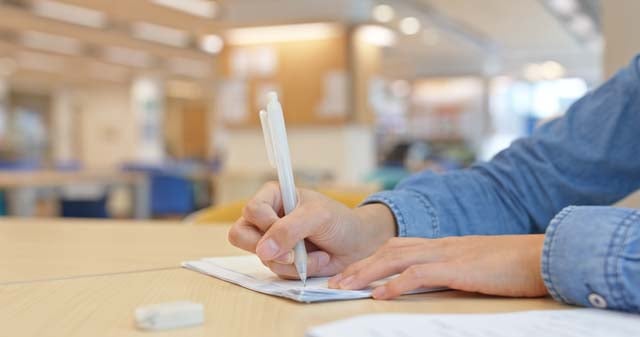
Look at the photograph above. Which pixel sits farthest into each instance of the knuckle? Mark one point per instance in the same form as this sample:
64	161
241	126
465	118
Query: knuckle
250	209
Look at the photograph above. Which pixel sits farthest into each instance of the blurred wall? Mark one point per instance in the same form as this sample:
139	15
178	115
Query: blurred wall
109	134
347	152
620	26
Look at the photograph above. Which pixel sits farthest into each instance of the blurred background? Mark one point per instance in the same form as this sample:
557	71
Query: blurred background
149	109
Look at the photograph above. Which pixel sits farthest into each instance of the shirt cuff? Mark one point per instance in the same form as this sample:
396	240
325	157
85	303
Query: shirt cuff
414	213
584	256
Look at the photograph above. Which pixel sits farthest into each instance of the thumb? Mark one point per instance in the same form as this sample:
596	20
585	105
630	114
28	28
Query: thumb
282	236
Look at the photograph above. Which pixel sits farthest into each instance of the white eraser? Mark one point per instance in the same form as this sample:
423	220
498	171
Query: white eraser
170	315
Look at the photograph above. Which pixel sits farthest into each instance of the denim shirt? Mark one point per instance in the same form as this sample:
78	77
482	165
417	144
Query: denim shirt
589	157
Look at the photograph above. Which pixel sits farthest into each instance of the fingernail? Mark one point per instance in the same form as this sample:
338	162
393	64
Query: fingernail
286	258
322	260
268	249
344	284
379	292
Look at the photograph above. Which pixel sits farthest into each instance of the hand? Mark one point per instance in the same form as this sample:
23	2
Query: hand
336	236
495	265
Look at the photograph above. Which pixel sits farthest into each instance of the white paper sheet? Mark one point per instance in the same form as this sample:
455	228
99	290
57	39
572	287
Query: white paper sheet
554	323
249	272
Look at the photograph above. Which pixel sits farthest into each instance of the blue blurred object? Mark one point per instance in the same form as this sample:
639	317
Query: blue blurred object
3	207
84	208
19	165
172	193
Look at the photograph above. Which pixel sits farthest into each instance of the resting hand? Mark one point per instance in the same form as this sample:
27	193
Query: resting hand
336	235
496	265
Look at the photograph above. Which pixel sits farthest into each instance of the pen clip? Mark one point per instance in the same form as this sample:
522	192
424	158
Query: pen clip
268	140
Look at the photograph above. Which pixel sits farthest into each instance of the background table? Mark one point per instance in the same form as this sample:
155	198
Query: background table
85	305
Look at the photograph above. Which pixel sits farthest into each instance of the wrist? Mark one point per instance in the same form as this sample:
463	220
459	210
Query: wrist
378	224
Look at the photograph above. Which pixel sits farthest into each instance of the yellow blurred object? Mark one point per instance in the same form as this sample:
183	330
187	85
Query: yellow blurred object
230	212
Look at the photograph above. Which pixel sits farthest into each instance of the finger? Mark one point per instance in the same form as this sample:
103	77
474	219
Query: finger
369	270
318	264
431	275
389	260
244	235
283	235
262	210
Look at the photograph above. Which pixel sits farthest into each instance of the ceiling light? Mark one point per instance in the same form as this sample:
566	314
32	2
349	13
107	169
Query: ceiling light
203	8
160	34
127	56
272	34
532	72
70	13
582	25
50	42
383	13
376	35
409	25
552	70
564	7
211	43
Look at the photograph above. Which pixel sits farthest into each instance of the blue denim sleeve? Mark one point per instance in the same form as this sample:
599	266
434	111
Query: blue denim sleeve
591	257
588	157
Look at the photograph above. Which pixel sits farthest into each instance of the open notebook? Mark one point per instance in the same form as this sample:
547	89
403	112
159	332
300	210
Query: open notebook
249	272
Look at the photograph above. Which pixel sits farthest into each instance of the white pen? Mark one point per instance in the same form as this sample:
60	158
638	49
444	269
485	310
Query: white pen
275	138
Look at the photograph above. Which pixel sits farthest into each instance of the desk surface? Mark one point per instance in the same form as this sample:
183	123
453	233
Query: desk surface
103	305
50	249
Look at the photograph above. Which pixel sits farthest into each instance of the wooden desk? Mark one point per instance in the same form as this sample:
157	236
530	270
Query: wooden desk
104	305
50	249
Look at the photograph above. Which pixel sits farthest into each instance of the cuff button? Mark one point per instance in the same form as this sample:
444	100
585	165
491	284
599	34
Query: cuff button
597	301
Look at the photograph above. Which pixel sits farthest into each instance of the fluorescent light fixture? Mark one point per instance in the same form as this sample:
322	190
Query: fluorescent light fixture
70	13
189	67
40	62
552	70
160	34
564	7
383	13
410	25
211	43
203	8
284	33
376	35
582	25
50	42
127	56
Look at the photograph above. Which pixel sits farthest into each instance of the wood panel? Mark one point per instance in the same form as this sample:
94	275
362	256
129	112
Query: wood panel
302	67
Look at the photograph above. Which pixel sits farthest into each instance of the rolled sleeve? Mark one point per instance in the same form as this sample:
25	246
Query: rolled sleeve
413	212
591	257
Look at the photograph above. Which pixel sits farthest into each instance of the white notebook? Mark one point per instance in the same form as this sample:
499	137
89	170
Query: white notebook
249	272
553	323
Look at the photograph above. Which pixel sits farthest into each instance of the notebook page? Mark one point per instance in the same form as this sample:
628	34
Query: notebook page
249	272
552	323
